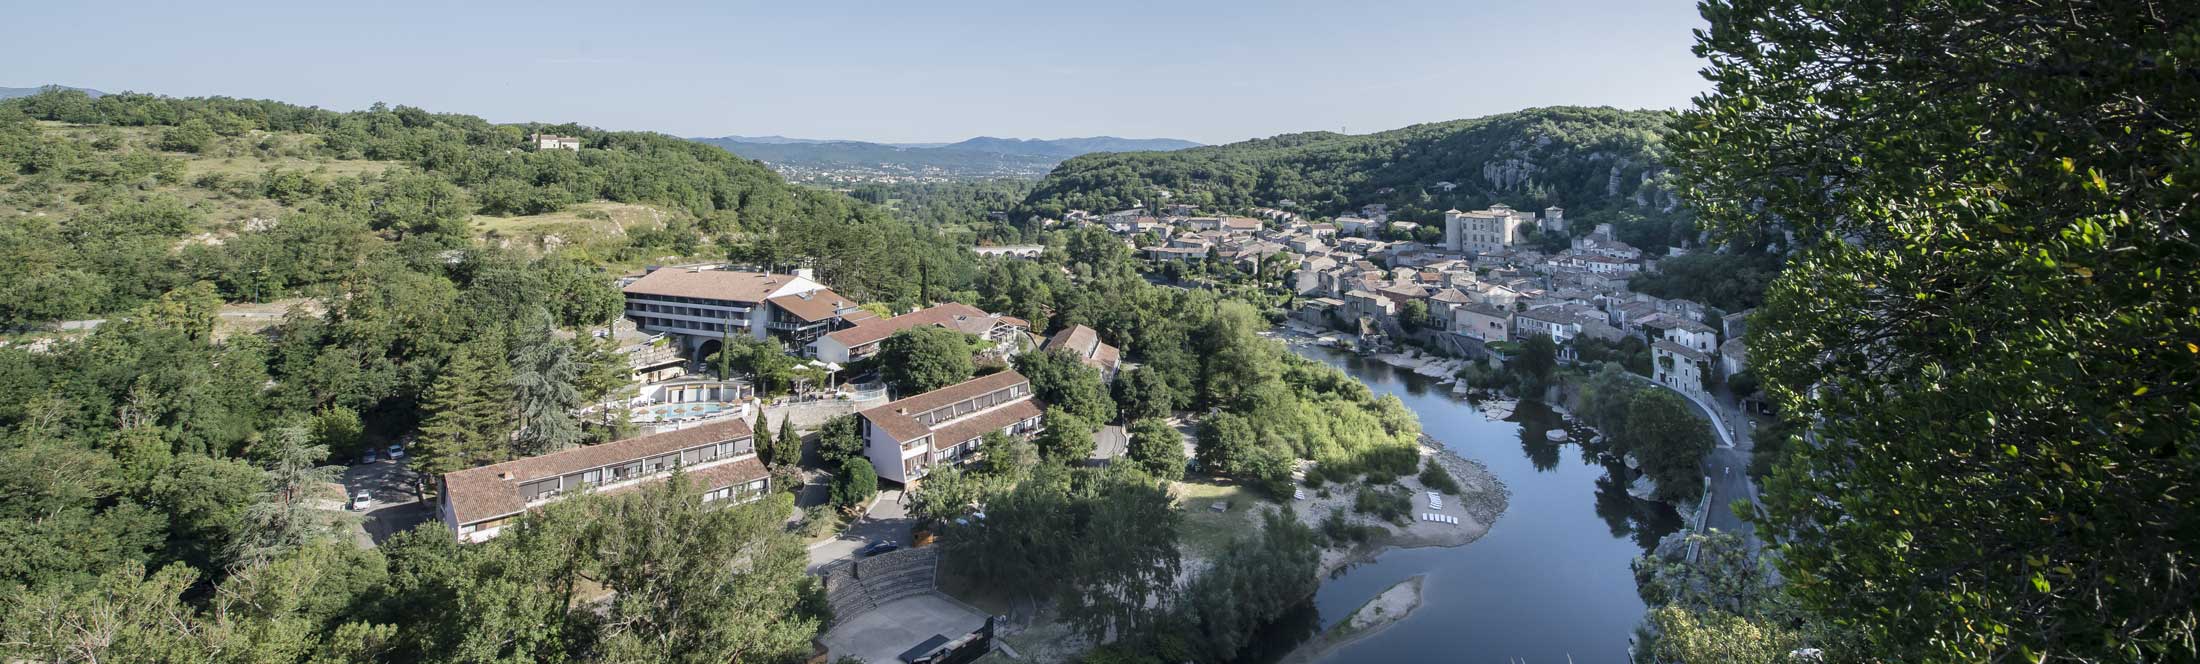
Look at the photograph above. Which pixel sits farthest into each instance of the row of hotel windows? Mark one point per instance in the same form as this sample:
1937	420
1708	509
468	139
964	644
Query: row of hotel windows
698	312
740	492
652	321
965	407
969	447
620	472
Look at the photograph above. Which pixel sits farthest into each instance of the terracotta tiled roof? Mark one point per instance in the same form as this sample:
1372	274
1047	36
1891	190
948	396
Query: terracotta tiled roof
814	306
710	284
493	490
897	417
952	315
1086	343
977	425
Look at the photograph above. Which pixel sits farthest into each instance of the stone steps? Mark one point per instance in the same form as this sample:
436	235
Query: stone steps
860	586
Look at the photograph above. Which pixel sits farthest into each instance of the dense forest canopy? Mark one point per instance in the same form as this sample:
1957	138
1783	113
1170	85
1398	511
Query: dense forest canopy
1588	160
1992	324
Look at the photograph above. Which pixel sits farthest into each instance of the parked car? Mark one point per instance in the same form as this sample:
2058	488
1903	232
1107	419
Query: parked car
361	500
397	451
370	457
876	548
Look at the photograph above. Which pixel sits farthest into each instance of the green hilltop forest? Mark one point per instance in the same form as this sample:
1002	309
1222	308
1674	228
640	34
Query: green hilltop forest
107	202
1592	161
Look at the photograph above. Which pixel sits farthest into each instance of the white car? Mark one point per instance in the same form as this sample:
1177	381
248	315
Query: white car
397	451
361	501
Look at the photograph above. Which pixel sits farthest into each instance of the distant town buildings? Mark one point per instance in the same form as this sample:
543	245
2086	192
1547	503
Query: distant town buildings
1011	251
554	142
1484	231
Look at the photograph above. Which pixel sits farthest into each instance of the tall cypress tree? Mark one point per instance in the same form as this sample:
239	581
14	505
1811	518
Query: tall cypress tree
787	451
763	436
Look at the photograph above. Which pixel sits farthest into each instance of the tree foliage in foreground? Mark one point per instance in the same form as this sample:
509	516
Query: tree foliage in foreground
1994	314
925	358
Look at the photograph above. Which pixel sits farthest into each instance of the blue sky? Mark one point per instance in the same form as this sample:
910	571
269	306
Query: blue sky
907	70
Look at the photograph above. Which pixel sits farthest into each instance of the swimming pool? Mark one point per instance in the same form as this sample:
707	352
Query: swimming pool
673	412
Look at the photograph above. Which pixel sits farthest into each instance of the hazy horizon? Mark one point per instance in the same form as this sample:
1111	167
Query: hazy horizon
1213	72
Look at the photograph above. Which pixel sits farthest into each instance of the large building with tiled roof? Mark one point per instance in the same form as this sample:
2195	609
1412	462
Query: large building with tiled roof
719	457
1086	343
906	438
1008	333
702	306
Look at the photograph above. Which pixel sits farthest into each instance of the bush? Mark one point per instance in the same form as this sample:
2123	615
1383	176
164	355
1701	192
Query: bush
1342	532
1436	478
1392	460
1391	504
857	482
818	521
1314	478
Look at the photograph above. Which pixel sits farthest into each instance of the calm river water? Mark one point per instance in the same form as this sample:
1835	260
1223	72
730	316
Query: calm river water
1549	583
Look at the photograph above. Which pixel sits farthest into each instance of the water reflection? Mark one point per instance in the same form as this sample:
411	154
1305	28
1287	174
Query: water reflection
1643	521
1551	581
1536	420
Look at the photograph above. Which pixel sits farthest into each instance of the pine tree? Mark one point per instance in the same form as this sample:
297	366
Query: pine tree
466	423
283	519
543	377
787	451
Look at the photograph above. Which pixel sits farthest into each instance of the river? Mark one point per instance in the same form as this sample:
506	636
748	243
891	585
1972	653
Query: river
1550	582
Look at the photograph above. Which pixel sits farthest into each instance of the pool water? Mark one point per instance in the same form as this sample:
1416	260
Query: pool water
666	412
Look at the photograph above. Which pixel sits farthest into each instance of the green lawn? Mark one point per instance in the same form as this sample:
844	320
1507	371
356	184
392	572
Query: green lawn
1204	531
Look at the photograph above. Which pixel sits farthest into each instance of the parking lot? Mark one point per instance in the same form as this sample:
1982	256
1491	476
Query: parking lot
396	505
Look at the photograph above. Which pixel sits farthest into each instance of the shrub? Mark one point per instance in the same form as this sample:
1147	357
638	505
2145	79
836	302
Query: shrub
857	482
1314	478
1436	478
1342	532
818	521
1391	504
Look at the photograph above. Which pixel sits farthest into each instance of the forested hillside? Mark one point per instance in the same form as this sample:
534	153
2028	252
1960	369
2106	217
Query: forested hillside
169	489
107	202
1588	160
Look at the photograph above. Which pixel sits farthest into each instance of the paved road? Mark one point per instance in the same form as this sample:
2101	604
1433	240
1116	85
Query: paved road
396	507
1729	471
1110	442
888	521
1727	465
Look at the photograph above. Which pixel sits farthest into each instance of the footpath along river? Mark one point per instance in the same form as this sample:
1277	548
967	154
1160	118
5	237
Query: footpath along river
1549	583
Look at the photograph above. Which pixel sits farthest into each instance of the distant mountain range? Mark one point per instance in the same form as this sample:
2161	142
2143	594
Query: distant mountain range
11	93
984	156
